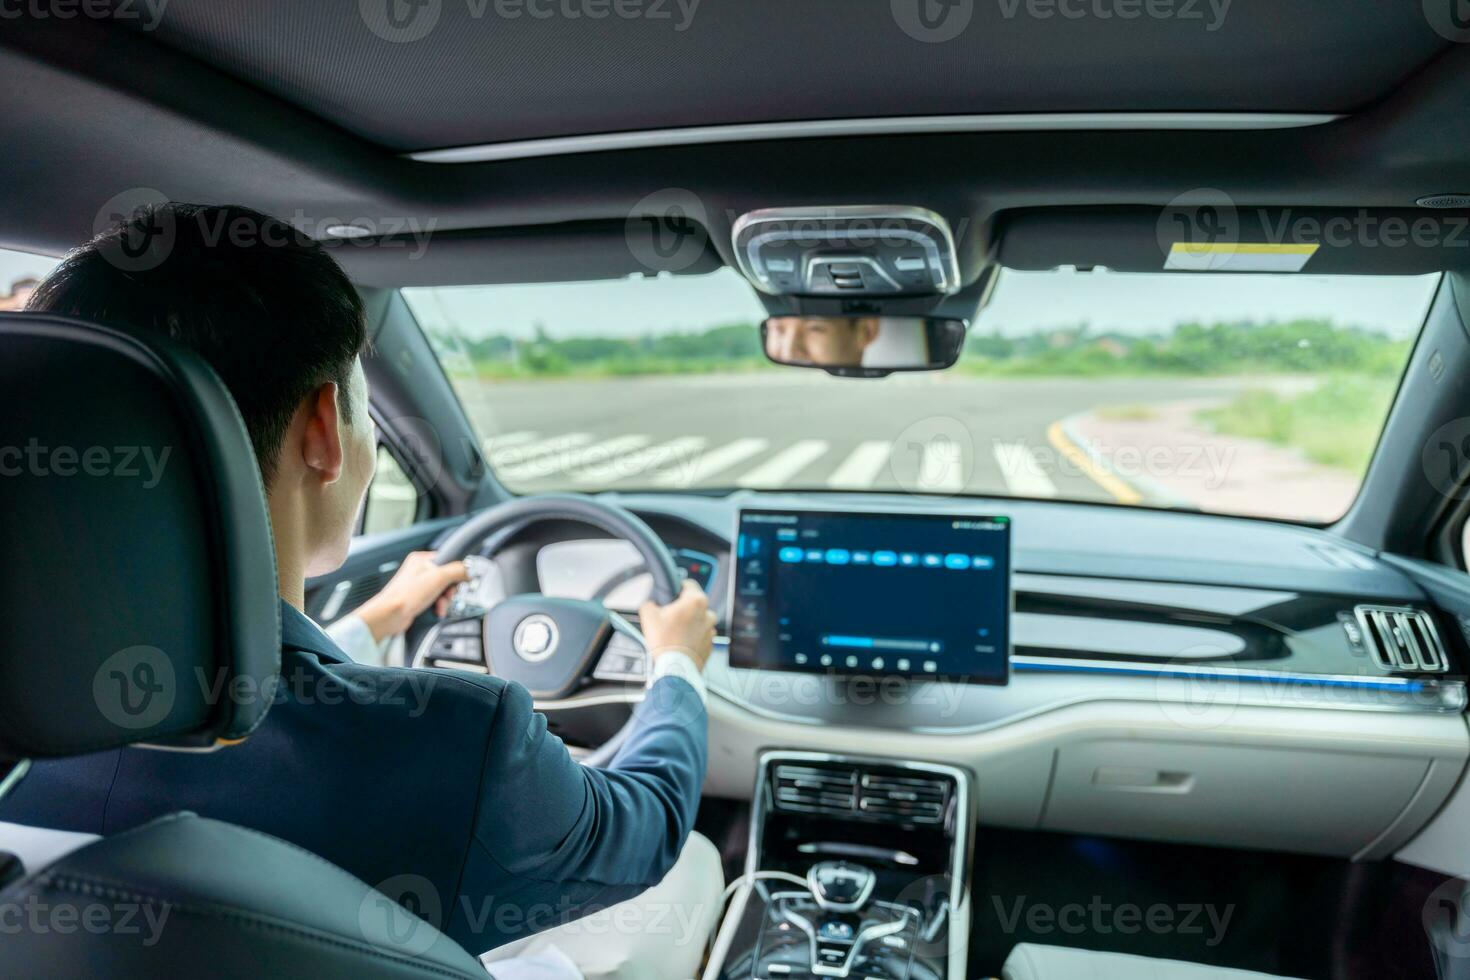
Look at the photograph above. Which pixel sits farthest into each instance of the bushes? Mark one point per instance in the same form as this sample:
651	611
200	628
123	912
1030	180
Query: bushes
1336	423
1297	346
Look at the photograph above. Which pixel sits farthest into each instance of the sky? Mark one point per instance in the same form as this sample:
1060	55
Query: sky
1021	303
19	265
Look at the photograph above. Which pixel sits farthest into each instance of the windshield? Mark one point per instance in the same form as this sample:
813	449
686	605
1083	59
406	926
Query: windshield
1260	395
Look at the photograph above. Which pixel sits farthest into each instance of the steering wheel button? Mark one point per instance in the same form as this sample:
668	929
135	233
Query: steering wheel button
465	649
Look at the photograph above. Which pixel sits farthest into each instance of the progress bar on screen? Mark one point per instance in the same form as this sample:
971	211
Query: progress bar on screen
881	643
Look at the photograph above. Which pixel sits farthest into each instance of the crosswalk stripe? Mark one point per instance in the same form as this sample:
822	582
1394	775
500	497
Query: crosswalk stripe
574	458
520	455
710	463
861	467
941	468
666	455
1023	472
781	467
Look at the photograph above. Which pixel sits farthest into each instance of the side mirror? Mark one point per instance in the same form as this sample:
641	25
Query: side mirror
863	346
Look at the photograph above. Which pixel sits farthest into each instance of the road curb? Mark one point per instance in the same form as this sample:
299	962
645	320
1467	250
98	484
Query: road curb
1067	438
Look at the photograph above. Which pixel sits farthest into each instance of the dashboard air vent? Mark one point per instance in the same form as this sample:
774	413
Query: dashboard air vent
861	792
810	789
911	799
1402	638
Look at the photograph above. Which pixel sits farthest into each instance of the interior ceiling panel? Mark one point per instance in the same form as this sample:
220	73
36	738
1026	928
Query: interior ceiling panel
91	112
495	70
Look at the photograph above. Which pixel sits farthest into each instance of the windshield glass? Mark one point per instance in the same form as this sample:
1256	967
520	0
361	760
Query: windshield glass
1246	394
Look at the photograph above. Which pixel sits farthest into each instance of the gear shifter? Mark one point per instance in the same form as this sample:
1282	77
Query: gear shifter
839	886
847	932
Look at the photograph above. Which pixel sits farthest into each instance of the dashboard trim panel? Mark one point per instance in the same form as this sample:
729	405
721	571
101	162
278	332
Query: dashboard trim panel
1082	666
1041	685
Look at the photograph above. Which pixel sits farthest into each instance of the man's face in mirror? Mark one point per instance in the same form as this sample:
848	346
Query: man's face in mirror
822	340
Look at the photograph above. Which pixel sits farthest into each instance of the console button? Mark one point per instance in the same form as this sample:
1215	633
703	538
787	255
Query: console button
831	957
465	627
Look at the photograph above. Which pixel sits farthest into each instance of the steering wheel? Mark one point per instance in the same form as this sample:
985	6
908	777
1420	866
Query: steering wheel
550	645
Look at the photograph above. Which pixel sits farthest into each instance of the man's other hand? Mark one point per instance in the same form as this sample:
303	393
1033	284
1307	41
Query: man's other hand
686	625
418	584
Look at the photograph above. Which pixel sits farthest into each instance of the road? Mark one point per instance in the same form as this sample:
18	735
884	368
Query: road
940	433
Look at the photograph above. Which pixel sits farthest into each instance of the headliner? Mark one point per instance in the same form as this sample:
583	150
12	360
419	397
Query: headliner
480	76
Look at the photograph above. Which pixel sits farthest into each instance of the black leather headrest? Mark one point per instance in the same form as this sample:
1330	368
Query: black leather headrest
137	575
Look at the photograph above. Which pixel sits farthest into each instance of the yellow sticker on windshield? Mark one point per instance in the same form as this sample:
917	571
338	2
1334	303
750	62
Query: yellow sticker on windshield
1238	257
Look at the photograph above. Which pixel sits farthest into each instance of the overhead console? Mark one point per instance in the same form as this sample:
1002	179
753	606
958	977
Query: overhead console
847	252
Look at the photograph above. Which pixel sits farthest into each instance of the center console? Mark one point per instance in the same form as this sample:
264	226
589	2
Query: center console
857	868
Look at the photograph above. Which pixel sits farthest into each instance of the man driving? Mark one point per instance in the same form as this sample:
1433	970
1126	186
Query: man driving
447	777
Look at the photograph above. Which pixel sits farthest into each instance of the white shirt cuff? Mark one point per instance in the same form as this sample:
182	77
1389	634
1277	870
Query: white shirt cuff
677	663
352	635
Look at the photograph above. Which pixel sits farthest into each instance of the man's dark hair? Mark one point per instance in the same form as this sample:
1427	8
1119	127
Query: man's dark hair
265	305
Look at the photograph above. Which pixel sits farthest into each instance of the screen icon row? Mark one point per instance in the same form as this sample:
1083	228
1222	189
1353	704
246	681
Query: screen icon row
902	665
884	559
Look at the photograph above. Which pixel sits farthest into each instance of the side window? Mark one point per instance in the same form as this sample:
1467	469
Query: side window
20	274
393	502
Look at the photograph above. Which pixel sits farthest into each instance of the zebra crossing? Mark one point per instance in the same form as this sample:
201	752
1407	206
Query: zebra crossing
531	460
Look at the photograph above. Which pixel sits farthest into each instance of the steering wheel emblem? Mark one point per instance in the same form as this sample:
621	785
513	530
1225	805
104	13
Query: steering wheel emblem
535	638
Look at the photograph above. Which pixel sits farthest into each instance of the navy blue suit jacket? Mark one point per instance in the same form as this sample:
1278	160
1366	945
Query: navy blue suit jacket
443	775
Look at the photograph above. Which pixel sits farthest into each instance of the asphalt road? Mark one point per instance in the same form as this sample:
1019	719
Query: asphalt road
938	433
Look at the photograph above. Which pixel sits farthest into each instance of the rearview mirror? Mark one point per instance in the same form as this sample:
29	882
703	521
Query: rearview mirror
863	346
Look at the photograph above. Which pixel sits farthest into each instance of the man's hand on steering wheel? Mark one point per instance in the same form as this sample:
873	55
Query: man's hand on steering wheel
685	625
418	584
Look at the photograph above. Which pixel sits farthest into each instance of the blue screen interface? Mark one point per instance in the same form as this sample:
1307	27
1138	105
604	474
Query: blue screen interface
872	593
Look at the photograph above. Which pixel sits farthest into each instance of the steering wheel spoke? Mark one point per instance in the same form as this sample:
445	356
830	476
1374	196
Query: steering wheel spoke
458	640
624	658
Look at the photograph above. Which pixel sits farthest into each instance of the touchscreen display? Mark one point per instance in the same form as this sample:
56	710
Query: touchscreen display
872	593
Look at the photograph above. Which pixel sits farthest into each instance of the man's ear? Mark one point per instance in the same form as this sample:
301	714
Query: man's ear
322	444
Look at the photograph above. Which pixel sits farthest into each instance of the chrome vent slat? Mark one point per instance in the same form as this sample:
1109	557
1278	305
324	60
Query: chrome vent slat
1402	639
919	812
1431	654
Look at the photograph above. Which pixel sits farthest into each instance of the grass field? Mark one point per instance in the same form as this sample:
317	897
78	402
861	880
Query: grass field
1335	424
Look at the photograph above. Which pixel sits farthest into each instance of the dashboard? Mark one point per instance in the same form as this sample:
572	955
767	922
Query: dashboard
1168	673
